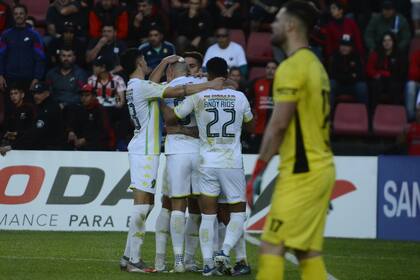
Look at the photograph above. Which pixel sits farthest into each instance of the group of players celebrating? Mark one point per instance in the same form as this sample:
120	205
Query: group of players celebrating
204	168
203	121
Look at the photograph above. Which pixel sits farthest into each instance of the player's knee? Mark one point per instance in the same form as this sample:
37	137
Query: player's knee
303	255
142	197
237	207
272	249
179	204
208	205
193	206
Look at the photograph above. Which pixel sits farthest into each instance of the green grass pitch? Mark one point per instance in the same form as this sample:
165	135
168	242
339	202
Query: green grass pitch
95	255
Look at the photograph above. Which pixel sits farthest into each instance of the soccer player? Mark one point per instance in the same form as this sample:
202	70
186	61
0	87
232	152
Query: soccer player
182	159
144	147
220	115
299	130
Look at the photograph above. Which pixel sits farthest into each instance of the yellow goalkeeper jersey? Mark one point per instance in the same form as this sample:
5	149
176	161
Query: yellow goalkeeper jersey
301	78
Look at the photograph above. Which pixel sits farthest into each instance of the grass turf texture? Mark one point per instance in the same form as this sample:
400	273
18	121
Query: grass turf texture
95	255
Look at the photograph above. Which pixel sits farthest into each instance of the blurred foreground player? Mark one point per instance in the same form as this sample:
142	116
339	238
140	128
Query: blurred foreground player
144	148
299	130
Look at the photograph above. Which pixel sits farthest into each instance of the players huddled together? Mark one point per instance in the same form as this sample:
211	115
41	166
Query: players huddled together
203	119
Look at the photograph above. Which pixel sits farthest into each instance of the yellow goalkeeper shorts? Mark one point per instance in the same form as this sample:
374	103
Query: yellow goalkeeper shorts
298	210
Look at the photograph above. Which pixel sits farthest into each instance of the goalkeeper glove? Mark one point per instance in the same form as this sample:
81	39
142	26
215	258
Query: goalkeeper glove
254	185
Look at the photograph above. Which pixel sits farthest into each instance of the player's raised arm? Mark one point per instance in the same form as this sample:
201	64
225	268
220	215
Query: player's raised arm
159	71
185	90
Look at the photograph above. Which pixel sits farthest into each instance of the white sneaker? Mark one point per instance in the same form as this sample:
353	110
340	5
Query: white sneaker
139	267
222	263
160	265
179	263
192	267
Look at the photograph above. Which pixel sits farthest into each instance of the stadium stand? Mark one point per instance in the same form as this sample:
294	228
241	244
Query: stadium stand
256	72
37	9
238	36
389	120
351	119
259	50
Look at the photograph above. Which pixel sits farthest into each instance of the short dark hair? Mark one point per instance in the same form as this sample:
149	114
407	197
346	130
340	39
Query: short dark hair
155	27
108	24
150	2
196	55
67	49
16	86
304	11
21	6
217	67
128	60
234	68
338	4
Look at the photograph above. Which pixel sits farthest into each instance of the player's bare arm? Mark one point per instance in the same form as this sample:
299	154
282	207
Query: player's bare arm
159	71
185	90
249	126
168	115
273	137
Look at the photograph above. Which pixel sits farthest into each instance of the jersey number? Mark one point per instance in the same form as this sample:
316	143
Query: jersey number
275	225
133	115
187	119
224	126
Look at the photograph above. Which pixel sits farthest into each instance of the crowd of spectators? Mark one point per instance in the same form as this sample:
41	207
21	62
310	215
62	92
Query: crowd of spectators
62	86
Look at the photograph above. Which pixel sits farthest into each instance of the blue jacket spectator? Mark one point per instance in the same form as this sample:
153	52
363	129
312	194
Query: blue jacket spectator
22	57
155	49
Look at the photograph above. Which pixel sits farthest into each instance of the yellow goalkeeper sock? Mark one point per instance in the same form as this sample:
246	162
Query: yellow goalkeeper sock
270	267
313	269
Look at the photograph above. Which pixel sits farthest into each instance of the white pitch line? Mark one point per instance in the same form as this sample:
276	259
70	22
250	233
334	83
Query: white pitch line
58	259
290	257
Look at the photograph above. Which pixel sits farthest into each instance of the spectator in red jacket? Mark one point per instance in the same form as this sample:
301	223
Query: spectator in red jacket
338	26
106	11
412	135
387	69
413	84
260	95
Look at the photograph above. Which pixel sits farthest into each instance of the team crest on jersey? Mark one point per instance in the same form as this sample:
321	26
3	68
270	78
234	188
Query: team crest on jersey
153	184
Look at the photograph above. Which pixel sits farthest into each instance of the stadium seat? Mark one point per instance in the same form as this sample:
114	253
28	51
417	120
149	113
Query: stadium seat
344	98
389	120
414	45
37	9
238	36
256	72
259	48
351	119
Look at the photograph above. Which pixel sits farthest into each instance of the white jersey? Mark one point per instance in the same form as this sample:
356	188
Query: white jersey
143	106
219	114
234	54
180	143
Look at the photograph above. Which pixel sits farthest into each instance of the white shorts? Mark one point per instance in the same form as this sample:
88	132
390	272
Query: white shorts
230	182
143	172
183	174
